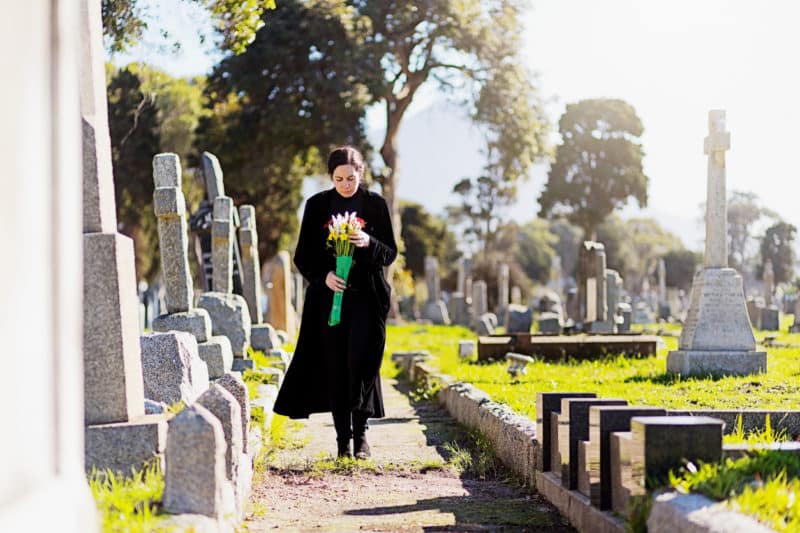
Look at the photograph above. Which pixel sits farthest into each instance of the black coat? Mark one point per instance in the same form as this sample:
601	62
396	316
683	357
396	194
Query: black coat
334	366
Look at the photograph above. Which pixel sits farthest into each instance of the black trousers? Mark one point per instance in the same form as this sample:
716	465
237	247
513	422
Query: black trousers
349	424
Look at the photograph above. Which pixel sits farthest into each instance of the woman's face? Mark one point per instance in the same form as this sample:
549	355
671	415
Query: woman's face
346	180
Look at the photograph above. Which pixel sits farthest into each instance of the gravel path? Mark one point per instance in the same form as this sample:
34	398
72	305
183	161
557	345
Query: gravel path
408	486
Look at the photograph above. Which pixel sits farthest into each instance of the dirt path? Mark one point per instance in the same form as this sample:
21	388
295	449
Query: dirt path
425	475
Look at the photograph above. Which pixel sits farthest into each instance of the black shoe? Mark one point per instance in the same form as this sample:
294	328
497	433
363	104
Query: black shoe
361	447
344	449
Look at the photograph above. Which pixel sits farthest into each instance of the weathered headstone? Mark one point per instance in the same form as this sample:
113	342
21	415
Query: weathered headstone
546	404
769	283
549	323
458	310
194	477
592	286
170	208
503	280
479	299
43	485
281	314
516	295
233	383
113	386
435	309
172	369
716	336
663	305
519	319
770	316
796	325
224	406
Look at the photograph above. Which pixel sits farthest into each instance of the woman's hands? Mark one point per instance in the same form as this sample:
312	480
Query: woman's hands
334	282
360	239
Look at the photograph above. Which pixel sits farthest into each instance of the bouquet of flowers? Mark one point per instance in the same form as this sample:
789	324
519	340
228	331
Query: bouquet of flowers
340	227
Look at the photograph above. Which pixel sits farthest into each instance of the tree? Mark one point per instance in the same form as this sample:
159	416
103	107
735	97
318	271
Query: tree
237	21
134	129
534	249
478	213
467	48
744	213
680	266
777	246
567	245
598	165
279	105
426	235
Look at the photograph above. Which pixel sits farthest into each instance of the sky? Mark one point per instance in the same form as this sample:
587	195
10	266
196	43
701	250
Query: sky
673	61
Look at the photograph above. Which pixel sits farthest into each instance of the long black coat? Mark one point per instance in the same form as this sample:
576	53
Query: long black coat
311	384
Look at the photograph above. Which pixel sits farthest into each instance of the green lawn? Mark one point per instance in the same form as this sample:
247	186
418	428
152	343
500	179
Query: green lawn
639	381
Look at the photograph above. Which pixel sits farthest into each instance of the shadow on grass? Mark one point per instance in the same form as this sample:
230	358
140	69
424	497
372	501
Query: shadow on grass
670	379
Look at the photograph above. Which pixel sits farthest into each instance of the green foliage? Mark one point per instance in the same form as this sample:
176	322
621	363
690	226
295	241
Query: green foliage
759	436
423	235
569	239
128	503
135	138
480	209
680	266
777	246
744	212
598	166
280	106
124	21
534	249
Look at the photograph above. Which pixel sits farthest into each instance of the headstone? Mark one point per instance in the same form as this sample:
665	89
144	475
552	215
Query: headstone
487	323
223	405
717	337
466	349
547	403
194	477
230	318
549	323
769	283
613	294
113	386
173	371
503	279
251	267
435	309
212	172
516	295
264	337
519	319
770	319
555	281
458	309
479	299
625	313
604	420
592	285
170	210
281	314
43	485
573	427
662	282
796	325
663	443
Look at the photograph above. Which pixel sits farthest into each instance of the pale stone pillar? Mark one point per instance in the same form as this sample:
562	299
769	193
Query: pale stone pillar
769	283
715	145
281	314
222	245
503	277
42	486
432	278
251	269
212	172
479	298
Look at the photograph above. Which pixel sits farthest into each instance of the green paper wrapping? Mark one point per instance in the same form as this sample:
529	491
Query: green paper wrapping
343	265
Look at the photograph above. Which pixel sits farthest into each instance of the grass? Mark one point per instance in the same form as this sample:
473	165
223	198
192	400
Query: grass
640	381
759	436
128	504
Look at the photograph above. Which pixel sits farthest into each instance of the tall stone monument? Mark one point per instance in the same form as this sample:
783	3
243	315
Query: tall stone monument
118	433
717	337
181	315
503	290
43	485
592	293
435	309
281	313
770	314
262	336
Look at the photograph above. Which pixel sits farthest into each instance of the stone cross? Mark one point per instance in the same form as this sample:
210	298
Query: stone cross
717	142
212	172
769	283
222	245
170	209
251	267
432	278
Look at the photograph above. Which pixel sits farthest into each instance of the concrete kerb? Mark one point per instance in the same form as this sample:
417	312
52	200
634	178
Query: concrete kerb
514	440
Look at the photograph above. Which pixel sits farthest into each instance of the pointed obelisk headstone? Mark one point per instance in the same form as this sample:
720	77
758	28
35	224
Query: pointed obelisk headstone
717	337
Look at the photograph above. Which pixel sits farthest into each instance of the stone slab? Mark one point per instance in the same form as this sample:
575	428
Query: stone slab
603	421
560	347
233	383
125	445
662	443
519	318
230	316
264	337
547	403
752	419
194	474
196	321
240	365
436	312
573	427
223	405
576	507
217	354
112	366
620	457
716	363
694	513
171	367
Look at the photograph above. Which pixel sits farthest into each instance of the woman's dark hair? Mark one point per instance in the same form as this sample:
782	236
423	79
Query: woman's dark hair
345	155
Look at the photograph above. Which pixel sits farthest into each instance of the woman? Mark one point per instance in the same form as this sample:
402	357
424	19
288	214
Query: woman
336	368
